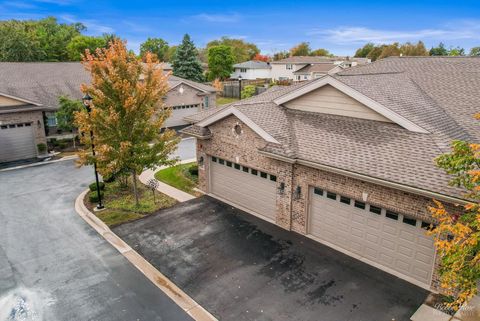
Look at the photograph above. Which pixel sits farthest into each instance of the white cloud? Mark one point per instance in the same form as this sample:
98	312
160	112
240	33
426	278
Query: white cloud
92	25
464	29
207	17
19	4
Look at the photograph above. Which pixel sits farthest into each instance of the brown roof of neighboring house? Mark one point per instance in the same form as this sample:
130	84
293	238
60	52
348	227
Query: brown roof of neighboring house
438	94
318	59
44	82
320	68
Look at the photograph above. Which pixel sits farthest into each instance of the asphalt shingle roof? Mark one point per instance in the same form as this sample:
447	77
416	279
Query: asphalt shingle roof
252	64
44	82
439	94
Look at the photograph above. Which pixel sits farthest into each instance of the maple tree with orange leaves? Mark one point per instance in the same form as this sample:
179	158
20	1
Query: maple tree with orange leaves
126	114
457	236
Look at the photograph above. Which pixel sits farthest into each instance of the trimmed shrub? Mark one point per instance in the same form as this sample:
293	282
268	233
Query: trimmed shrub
93	196
193	170
42	148
248	91
93	187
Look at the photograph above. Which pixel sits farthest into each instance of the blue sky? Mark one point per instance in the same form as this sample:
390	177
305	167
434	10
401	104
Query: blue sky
339	26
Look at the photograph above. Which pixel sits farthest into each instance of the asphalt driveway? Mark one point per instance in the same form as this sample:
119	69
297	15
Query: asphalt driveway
54	266
242	268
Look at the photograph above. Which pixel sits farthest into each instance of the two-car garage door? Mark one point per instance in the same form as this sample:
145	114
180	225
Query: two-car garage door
391	241
16	142
251	189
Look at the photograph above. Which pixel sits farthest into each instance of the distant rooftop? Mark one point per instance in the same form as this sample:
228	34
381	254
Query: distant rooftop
252	64
318	60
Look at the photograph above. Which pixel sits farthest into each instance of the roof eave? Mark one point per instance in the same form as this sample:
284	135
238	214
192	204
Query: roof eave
370	179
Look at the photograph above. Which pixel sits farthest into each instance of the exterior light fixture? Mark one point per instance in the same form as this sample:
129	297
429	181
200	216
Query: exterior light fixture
281	188
298	193
239	87
200	161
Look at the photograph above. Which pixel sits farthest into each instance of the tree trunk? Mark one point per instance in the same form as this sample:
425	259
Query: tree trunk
135	190
74	139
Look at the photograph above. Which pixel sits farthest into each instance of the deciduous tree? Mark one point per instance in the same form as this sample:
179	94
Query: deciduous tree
241	50
457	235
440	50
281	55
321	52
475	51
77	46
365	50
220	62
126	115
66	114
302	49
259	57
186	63
157	46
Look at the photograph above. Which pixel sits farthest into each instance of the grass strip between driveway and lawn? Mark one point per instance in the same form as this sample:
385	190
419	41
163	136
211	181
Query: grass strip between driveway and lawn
119	202
180	176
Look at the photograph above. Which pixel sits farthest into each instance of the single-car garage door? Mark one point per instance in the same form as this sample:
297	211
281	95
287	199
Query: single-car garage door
384	238
244	186
16	142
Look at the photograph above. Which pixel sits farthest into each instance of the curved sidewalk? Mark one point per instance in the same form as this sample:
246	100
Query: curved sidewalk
166	189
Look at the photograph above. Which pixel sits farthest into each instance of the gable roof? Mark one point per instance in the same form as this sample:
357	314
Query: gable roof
318	59
44	82
253	64
321	68
437	95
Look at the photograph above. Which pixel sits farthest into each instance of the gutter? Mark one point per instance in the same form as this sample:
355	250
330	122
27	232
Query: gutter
366	178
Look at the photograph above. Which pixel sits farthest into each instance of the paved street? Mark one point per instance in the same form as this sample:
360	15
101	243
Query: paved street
53	266
242	268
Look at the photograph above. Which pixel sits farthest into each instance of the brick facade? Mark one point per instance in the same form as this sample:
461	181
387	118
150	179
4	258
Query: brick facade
33	117
292	213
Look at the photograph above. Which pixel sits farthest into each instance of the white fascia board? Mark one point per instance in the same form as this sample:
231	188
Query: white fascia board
247	121
188	84
21	99
379	108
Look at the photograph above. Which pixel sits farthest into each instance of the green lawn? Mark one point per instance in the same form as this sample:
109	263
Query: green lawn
225	100
179	177
120	203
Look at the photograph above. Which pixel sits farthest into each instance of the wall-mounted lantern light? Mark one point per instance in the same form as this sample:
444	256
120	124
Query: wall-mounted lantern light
298	193
200	161
281	188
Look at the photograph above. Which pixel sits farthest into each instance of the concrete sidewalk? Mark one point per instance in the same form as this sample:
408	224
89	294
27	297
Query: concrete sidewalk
166	189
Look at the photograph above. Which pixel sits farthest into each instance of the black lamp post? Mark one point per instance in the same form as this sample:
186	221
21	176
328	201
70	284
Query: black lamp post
239	86
87	101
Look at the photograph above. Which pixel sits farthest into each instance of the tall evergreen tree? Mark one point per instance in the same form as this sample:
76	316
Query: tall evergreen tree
185	63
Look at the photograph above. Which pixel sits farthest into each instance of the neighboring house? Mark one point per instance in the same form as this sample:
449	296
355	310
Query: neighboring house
347	159
252	70
314	71
21	129
284	69
37	87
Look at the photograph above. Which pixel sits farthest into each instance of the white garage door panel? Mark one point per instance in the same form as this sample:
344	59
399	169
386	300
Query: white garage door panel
381	240
176	118
17	143
243	188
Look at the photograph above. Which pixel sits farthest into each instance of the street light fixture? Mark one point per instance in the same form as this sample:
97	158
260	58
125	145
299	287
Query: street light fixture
87	102
239	86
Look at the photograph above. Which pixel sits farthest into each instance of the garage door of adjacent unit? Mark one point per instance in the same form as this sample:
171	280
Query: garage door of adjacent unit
179	112
16	142
383	237
247	187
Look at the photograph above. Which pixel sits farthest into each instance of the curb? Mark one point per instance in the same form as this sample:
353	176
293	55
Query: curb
39	163
196	311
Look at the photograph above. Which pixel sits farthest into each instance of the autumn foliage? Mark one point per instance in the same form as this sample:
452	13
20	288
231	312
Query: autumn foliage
126	113
457	236
260	57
